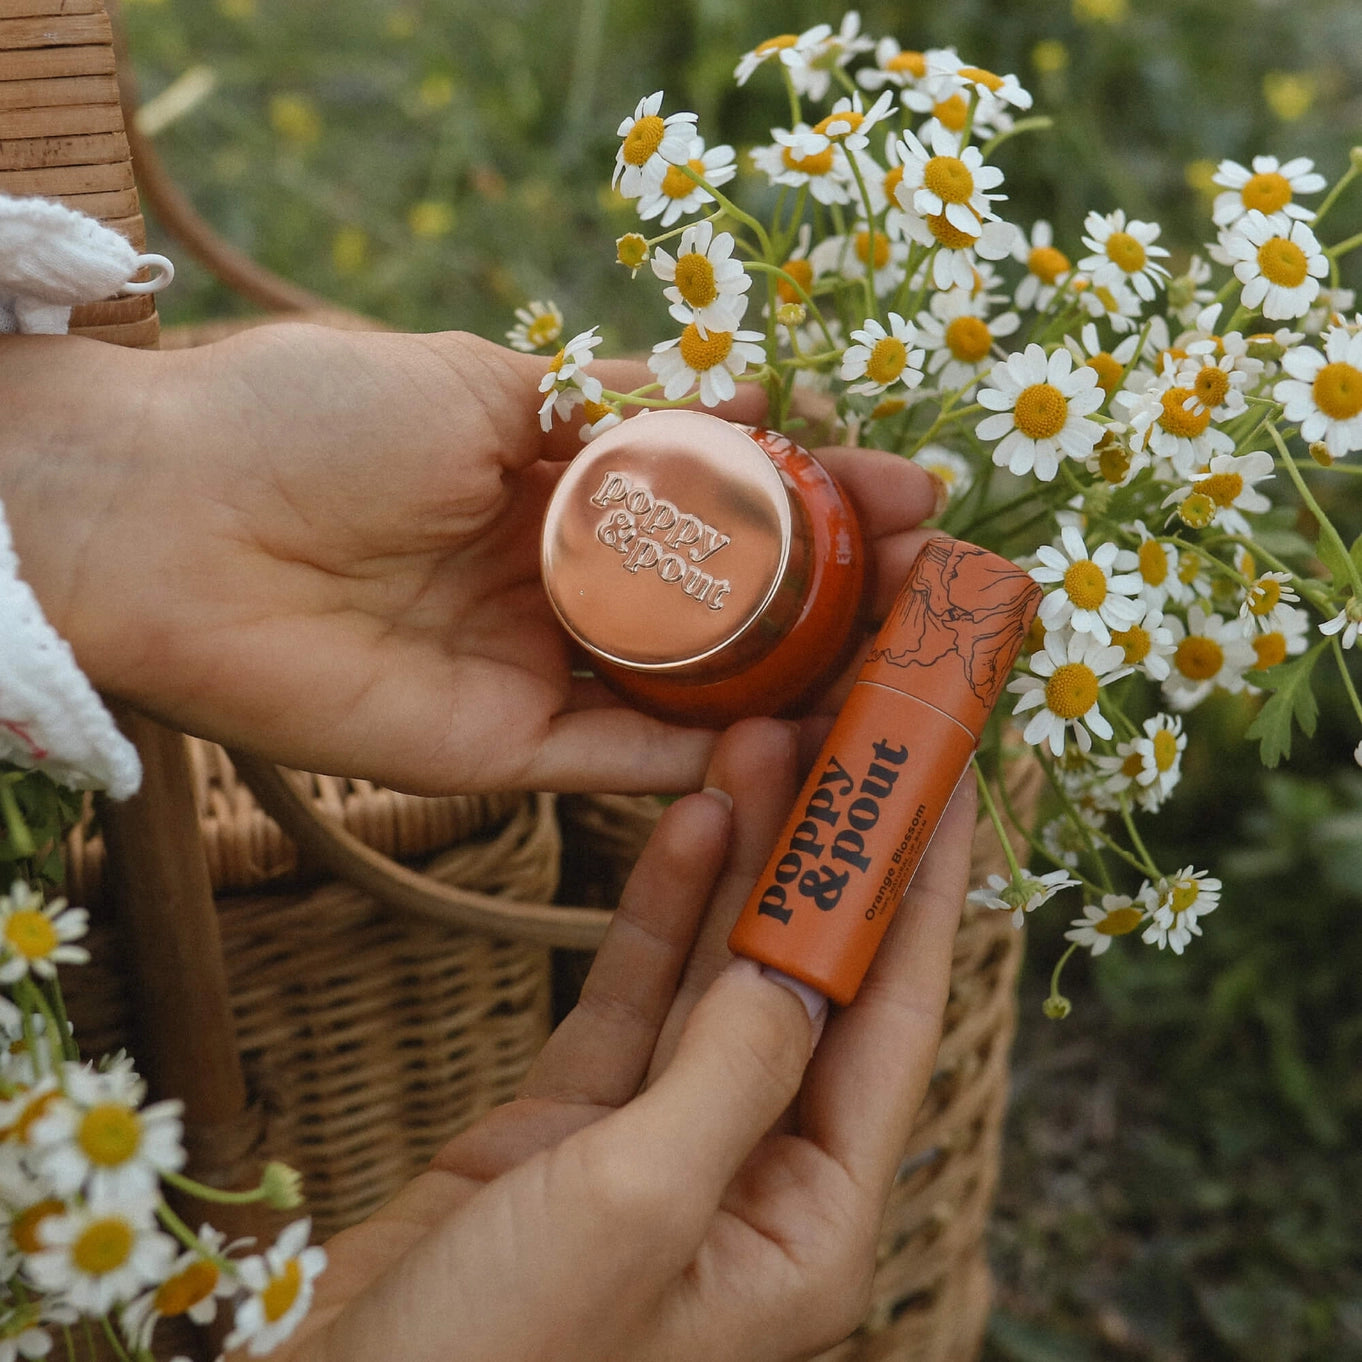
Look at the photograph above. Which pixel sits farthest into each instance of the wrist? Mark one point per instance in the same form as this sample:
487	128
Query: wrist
68	461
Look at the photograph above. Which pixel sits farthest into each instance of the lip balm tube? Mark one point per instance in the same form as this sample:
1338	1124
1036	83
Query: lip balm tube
888	768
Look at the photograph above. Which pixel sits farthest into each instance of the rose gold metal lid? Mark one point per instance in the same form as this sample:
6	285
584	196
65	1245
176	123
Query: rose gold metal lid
670	545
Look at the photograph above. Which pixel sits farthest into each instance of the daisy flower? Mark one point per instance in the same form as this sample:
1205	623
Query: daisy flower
1266	599
791	50
953	472
948	180
677	194
1110	365
1089	598
20	1337
882	359
1116	916
1270	187
708	287
1289	638
566	382
1347	623
1113	460
193	1285
98	1140
1324	391
538	325
1040	408
651	144
101	1252
1215	383
1069	672
1152	763
1226	490
959	336
712	361
795	159
600	417
849	123
832	51
1047	268
281	1285
1005	89
1162	421
1148	643
35	936
954	263
1210	653
1330	307
1114	303
1175	905
1278	261
1021	894
1123	253
894	65
854	255
1187	292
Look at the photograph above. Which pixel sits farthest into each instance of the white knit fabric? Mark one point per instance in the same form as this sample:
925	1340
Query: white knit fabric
50	716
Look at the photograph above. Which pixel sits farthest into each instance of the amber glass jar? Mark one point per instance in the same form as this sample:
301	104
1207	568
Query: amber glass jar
709	571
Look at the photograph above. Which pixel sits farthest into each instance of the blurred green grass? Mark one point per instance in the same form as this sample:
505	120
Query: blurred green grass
1182	1178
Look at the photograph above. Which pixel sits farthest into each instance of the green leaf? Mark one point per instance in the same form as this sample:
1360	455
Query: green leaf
1355	553
1326	550
1291	700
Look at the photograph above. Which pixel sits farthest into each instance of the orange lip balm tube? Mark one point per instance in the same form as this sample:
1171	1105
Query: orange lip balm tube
898	748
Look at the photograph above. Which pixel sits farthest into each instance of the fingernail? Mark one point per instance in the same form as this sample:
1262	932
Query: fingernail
722	796
815	1004
943	493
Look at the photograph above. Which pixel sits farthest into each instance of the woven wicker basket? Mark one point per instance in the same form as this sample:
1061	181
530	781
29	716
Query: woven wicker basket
376	1009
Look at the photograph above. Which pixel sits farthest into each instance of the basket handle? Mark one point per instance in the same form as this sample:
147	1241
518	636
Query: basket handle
395	885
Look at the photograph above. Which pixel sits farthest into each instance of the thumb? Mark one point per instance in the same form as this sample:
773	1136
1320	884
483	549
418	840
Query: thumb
738	1065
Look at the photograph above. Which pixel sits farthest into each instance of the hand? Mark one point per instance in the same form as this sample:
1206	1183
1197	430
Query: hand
678	1179
323	546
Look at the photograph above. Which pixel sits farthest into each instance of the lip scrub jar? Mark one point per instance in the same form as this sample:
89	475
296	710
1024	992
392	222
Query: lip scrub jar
709	571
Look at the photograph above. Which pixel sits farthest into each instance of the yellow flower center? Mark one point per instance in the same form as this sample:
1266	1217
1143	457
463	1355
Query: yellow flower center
819	163
594	411
102	1247
1113	459
1266	191
886	360
1109	370
1211	385
1189	566
891	406
1153	562
186	1289
968	339
643	139
631	250
845	122
109	1134
1135	641
1132	765
952	113
908	63
1085	584
979	76
776	44
948	177
542	330
278	1297
947	233
1199	658
1271	649
1264	595
557	362
31	934
1338	391
1107	298
1222	488
1165	749
676	184
1196	511
1047	264
1125	251
695	279
1184	895
801	271
1282	262
1072	691
892	179
1120	921
1177	420
1041	411
881	248
704	352
24	1227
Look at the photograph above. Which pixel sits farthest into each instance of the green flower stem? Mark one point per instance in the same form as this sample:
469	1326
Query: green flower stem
52	990
945	417
216	1194
115	1342
30	999
1037	123
779	273
1337	649
1310	589
1332	196
732	209
1343	247
1326	526
188	1238
21	840
872	305
986	798
796	113
70	1341
1057	1006
1150	868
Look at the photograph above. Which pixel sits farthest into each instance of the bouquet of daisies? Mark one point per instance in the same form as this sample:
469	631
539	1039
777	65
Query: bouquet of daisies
1142	441
93	1255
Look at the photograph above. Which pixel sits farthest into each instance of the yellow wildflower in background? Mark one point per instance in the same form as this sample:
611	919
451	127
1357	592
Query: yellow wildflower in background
436	90
350	249
431	218
1290	94
296	119
1101	11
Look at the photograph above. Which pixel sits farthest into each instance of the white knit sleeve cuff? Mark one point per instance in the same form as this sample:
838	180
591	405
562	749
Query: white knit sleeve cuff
50	716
